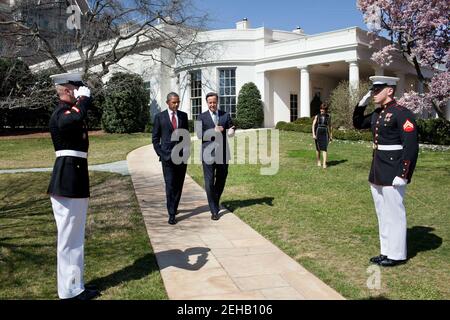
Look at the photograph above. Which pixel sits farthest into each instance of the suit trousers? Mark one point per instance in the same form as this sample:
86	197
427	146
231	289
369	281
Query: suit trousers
215	178
70	217
391	215
174	175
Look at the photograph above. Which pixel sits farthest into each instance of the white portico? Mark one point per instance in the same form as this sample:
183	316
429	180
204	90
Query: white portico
289	68
292	70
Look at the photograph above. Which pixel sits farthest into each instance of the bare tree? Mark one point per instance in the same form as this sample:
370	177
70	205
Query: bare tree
101	34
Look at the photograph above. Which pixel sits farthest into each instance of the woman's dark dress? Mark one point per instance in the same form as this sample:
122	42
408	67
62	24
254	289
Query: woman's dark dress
322	134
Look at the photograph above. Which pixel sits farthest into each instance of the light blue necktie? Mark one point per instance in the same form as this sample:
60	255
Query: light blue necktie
215	118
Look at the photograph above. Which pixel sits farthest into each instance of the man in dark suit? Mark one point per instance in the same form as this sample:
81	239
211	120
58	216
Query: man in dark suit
69	184
167	138
211	128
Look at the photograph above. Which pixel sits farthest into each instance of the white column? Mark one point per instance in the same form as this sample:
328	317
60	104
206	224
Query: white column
304	92
400	90
263	84
353	75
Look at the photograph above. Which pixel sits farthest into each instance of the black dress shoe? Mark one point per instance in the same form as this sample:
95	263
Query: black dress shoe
172	220
87	294
215	216
391	263
378	259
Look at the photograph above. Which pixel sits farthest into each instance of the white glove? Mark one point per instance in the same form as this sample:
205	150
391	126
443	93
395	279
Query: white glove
82	91
399	182
365	100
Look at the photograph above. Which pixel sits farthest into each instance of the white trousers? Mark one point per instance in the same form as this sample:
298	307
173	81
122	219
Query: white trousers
391	215
70	216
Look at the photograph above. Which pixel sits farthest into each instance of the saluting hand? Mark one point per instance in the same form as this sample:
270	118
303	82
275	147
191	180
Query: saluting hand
365	100
82	91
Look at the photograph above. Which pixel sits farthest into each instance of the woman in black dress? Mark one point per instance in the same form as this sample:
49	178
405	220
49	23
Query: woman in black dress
322	134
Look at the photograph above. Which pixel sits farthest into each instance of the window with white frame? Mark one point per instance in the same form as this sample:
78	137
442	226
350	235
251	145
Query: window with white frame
196	93
227	91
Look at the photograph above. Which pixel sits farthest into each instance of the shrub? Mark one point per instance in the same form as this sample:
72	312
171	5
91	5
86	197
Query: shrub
343	101
250	112
353	135
304	121
191	125
434	131
125	109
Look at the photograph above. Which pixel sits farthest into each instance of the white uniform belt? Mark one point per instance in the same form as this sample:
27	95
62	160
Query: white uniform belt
71	153
388	147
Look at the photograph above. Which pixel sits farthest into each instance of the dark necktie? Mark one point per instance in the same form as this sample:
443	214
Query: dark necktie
174	121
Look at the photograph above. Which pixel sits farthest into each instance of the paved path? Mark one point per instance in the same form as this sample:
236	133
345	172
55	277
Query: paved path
115	167
204	259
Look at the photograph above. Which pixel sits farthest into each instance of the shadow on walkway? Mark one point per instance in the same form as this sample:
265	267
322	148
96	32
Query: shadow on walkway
180	259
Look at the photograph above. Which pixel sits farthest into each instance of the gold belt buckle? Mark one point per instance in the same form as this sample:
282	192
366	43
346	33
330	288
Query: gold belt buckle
374	146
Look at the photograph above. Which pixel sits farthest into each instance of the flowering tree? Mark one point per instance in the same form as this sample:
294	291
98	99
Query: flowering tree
419	30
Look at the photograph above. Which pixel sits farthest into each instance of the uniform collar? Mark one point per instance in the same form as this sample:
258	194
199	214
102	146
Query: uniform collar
390	103
65	103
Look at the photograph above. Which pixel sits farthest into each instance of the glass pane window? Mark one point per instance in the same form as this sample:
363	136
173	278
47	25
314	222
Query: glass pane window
227	91
196	93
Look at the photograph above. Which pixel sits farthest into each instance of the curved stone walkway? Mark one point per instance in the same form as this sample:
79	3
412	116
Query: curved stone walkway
204	259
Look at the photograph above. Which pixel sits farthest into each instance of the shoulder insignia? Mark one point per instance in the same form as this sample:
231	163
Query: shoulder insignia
408	126
76	109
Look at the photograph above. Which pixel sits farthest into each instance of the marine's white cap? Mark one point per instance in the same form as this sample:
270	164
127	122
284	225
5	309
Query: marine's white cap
74	78
382	80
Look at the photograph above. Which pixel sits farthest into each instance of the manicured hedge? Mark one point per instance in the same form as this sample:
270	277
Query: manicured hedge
433	131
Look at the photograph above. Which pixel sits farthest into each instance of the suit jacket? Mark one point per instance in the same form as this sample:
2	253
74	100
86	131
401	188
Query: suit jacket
206	124
162	133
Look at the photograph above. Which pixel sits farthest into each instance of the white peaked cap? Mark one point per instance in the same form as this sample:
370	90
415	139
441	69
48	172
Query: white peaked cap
69	77
389	81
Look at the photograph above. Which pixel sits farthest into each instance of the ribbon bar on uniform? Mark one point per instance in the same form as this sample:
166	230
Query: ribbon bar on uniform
388	147
71	153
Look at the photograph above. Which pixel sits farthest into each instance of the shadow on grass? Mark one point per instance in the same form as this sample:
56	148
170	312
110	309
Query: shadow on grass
236	204
138	270
336	162
420	239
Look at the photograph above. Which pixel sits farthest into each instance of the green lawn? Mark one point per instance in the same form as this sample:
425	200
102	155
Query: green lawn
118	254
39	152
325	218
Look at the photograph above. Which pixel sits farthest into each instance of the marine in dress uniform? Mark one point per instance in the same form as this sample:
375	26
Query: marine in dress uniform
69	184
395	155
